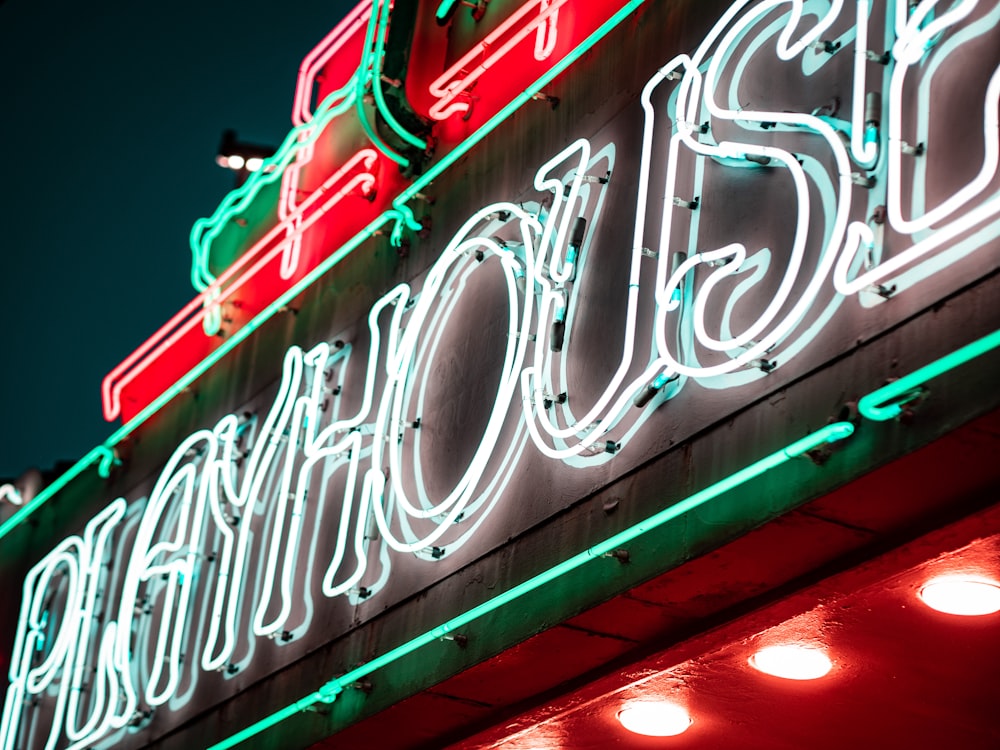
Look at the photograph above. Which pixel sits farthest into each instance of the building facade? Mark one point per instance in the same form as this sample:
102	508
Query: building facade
563	351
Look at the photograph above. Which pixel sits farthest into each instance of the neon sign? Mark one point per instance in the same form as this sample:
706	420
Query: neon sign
237	495
11	494
226	302
451	88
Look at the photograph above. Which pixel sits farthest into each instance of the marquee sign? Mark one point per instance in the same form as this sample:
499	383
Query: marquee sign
326	490
358	186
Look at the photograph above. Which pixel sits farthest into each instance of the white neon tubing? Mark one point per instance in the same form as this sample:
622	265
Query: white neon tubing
276	545
80	563
390	413
786	50
373	484
864	151
555	367
690	88
220	478
205	483
262	455
901	17
914	39
547	34
488	498
562	213
587	440
303	413
9	493
558	222
456	502
531	393
222	598
305	419
180	580
351	445
669	296
512	360
738	251
760	262
905	52
62	562
95	543
860	235
176	477
106	677
451	291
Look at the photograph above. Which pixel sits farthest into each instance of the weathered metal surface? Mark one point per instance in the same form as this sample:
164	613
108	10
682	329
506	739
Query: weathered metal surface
842	348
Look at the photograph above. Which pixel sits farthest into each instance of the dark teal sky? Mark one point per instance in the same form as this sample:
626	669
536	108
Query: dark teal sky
110	115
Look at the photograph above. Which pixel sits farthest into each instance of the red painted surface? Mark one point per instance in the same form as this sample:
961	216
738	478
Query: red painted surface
442	49
325	223
254	281
835	572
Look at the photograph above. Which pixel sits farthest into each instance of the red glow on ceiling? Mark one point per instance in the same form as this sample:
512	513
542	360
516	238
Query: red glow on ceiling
843	573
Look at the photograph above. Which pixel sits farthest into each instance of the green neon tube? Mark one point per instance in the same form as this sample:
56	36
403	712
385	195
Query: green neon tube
223	213
205	231
100	454
490	125
396	214
383	107
888	401
364	79
445	9
94	456
829	434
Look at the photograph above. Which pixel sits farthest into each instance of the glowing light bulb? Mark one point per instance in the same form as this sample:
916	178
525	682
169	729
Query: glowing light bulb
792	662
235	161
254	163
962	595
655	718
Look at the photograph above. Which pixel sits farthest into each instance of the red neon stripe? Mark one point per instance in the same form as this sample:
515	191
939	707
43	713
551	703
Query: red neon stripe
347	30
335	56
464	73
194	312
311	64
320	55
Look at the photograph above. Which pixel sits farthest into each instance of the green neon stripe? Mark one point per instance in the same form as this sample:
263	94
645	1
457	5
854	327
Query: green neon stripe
380	95
888	401
205	231
270	721
444	9
100	453
399	212
373	136
829	434
266	314
365	79
94	456
217	221
490	125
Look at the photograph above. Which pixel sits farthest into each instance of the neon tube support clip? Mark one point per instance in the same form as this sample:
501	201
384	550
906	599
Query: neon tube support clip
888	401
